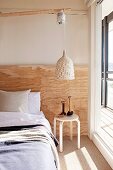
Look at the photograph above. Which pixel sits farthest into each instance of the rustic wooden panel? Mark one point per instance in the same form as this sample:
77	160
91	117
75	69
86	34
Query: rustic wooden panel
42	11
42	78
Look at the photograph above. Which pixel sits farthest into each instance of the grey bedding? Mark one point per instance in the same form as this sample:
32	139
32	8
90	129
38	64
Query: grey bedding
28	149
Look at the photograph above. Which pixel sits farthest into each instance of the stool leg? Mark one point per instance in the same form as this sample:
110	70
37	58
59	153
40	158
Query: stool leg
78	131
71	130
61	137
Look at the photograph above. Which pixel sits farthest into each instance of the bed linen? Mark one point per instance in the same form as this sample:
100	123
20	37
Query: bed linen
28	147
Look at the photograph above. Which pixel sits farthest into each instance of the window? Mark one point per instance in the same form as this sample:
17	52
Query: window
107	62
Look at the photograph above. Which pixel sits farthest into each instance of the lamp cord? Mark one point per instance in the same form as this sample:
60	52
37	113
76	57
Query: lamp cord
64	38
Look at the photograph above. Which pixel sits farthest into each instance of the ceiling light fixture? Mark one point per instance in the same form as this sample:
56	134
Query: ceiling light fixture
64	67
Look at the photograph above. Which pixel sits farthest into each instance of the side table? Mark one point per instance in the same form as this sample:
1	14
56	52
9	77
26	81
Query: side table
70	119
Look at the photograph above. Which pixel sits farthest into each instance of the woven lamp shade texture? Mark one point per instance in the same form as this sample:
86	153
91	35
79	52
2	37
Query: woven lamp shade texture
65	68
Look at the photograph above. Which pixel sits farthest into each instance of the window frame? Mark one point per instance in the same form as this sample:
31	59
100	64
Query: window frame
104	60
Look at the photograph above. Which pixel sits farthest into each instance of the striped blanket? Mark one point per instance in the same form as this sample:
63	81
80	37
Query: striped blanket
29	135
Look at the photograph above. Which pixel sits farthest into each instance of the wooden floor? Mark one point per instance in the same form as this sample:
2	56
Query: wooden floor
86	158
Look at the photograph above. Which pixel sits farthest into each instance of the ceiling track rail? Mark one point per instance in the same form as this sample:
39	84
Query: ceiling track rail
20	12
99	1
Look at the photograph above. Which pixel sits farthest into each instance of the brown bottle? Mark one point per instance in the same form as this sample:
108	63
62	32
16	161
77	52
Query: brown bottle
63	108
69	113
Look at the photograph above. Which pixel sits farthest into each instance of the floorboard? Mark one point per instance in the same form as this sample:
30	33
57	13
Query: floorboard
87	157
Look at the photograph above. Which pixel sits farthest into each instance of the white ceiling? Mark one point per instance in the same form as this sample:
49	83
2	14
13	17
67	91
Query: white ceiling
107	7
19	5
88	2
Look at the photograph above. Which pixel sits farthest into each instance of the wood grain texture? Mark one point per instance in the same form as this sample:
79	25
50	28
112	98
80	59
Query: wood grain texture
42	78
20	12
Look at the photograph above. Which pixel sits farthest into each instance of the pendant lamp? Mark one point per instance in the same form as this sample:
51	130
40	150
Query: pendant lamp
64	66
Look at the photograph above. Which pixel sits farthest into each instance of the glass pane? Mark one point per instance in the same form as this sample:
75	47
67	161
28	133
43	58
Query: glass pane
102	62
110	94
110	47
110	76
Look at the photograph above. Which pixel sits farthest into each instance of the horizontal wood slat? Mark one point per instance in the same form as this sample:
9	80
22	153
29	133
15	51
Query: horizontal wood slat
21	12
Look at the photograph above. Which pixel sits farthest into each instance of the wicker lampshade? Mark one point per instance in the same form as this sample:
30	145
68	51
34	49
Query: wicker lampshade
64	68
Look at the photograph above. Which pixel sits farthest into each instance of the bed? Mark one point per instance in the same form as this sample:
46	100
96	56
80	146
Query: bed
26	139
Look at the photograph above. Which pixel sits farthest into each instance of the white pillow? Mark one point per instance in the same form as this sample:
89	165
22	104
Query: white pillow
34	102
14	101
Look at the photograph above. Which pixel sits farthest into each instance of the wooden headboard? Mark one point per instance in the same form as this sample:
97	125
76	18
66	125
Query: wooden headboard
42	78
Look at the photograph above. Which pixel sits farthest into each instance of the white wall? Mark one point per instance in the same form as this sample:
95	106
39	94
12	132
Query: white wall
38	39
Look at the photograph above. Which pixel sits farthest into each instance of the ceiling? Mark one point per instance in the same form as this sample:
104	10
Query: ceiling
107	7
51	6
44	4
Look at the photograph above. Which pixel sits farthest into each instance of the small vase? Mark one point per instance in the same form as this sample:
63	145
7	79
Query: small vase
69	113
63	108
